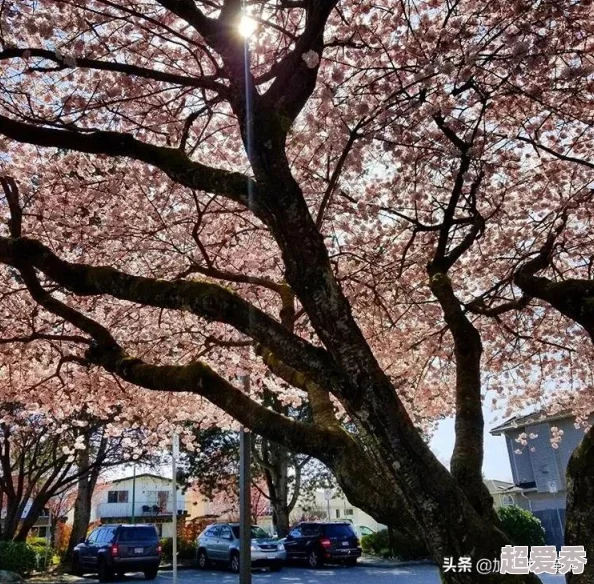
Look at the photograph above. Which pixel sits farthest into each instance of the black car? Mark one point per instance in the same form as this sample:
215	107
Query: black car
319	542
117	549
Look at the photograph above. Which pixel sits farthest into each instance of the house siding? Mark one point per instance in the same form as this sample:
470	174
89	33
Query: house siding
545	467
543	458
521	464
152	503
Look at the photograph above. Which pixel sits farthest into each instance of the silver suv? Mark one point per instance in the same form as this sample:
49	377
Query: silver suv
219	544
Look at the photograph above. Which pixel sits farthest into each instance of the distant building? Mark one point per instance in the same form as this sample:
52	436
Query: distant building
42	525
337	508
152	499
538	468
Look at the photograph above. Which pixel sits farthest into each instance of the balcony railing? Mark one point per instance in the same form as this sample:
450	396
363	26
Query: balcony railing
141	509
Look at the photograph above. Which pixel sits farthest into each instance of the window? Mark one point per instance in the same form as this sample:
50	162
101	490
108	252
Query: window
135	534
93	537
310	530
213	531
117	496
39	531
337	513
257	532
296	532
338	530
226	532
349	512
108	535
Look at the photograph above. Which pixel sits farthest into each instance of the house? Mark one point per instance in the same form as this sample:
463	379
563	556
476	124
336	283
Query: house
539	465
146	498
41	527
334	506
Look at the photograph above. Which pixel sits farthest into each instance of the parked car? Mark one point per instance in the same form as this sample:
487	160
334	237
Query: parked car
363	530
318	542
117	549
219	544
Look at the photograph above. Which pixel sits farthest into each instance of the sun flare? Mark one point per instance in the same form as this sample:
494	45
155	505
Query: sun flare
247	26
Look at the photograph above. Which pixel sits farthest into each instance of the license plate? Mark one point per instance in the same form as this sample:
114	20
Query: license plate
270	557
345	544
138	550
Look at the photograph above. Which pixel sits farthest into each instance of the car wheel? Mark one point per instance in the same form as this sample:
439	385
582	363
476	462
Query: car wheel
76	569
202	560
314	560
151	574
234	563
351	562
104	571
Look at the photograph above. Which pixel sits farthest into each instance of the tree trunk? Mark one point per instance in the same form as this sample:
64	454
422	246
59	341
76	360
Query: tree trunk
467	457
82	505
450	525
275	460
579	526
37	506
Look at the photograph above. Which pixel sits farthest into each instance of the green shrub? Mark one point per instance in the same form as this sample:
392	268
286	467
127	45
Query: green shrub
186	550
17	557
166	548
403	547
522	526
45	554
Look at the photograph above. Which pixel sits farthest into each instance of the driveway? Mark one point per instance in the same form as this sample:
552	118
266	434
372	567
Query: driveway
367	573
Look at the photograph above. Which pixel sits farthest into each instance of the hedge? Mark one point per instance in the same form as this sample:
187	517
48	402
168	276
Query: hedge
404	546
186	550
522	526
17	557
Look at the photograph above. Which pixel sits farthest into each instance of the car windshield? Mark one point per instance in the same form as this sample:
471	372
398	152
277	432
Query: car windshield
339	530
137	534
257	532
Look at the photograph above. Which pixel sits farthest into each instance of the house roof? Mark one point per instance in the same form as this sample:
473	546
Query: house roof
516	422
495	486
138	476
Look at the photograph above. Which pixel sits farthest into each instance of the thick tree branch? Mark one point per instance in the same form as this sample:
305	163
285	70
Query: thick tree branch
204	299
199	379
295	80
319	400
206	82
172	161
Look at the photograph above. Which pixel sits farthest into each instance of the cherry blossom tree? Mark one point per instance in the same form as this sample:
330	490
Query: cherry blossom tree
344	205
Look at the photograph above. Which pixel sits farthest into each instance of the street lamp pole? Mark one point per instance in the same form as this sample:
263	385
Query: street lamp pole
133	493
175	453
245	515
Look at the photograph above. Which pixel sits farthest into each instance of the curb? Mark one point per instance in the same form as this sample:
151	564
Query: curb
372	561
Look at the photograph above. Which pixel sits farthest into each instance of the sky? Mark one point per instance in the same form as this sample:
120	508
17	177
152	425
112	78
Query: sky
496	464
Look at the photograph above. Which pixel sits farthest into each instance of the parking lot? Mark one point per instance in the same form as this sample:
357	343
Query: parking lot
368	572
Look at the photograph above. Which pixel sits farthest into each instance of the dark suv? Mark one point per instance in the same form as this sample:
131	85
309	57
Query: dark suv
117	549
319	542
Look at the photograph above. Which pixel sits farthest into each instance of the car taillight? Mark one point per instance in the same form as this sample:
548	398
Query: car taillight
113	549
325	542
158	549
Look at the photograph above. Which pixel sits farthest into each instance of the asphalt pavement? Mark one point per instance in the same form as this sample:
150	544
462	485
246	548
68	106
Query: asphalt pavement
371	572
